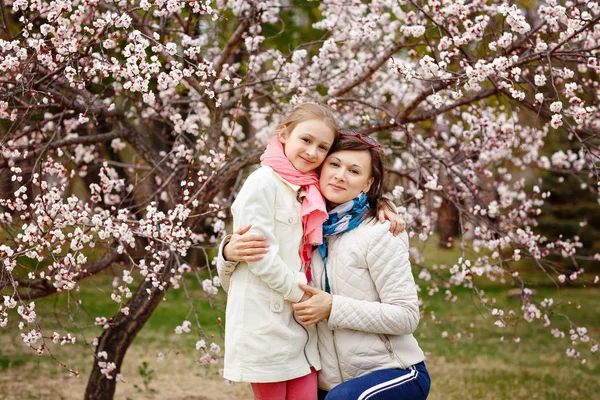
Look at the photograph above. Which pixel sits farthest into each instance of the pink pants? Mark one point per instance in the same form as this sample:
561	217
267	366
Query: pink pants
303	388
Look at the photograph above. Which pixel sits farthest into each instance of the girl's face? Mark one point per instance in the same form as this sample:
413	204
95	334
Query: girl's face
344	175
306	146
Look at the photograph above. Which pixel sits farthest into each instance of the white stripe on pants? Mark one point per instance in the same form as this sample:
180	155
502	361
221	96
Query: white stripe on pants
389	384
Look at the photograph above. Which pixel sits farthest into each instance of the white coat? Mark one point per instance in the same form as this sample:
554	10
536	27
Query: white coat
263	340
375	306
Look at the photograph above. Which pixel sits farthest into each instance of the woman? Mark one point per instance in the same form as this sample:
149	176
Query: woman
364	299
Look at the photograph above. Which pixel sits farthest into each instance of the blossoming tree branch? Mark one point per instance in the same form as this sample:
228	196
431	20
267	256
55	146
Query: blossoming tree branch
126	124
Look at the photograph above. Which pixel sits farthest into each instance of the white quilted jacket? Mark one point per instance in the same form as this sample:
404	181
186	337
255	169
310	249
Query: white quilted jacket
263	340
375	305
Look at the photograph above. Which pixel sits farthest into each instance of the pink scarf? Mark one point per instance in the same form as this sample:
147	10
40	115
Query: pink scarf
313	210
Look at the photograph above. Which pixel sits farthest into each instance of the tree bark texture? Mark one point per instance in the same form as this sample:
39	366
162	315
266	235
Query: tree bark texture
448	223
116	340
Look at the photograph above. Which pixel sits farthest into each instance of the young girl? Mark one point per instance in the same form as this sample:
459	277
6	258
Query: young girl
264	343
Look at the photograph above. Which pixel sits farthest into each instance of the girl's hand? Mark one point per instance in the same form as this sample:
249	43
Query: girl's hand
386	210
244	246
316	308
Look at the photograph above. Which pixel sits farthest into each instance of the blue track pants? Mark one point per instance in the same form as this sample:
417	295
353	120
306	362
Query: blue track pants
386	384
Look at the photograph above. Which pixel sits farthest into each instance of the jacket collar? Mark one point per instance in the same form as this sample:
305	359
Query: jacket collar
294	187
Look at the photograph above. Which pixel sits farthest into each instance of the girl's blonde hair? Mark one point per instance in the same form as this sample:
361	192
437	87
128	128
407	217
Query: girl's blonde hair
305	112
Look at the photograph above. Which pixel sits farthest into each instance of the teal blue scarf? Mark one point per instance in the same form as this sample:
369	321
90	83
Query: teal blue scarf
342	218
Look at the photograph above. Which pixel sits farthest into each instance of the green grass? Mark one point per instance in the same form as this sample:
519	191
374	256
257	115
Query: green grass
479	365
6	363
470	358
75	313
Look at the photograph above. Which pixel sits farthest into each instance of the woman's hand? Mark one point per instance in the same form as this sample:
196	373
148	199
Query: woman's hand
386	210
244	246
316	308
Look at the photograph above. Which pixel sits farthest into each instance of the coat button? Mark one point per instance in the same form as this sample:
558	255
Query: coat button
290	220
276	306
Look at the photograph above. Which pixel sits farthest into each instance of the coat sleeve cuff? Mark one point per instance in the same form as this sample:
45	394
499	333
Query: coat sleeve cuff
223	266
296	293
337	305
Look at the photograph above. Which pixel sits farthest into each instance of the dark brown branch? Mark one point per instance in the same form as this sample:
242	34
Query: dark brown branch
571	36
148	34
56	73
218	179
428	114
370	70
553	51
165	184
92	139
71	102
44	288
591	133
233	41
539	110
443	28
437	111
385	108
5	20
418	100
527	37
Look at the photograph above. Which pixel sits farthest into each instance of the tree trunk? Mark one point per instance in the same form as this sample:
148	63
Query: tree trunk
116	340
448	224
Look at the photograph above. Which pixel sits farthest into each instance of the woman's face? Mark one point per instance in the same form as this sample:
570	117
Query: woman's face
344	175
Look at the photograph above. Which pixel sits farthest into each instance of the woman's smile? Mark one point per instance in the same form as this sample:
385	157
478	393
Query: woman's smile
336	187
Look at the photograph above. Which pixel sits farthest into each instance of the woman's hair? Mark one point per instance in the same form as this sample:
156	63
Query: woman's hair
306	112
354	143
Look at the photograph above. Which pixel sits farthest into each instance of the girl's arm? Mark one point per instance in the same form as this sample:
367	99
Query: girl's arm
255	205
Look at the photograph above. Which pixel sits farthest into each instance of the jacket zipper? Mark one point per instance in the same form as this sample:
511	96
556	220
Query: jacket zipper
305	343
335	348
305	331
337	356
